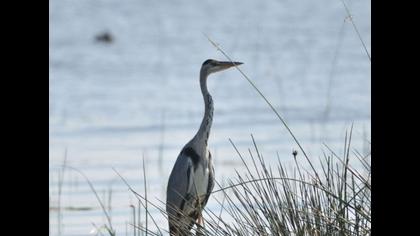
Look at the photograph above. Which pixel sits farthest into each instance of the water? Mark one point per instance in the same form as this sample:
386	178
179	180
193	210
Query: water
112	104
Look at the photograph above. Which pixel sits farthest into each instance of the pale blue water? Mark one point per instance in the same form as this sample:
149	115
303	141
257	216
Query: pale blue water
110	104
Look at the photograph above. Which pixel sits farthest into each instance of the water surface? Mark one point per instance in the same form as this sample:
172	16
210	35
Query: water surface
112	104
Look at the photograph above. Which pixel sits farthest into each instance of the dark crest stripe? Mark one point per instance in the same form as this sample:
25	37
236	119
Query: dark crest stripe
191	153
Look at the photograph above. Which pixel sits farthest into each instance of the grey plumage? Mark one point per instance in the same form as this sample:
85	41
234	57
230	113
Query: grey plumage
192	178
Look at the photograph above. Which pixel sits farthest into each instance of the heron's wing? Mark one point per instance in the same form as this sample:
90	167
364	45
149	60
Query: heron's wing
179	185
210	184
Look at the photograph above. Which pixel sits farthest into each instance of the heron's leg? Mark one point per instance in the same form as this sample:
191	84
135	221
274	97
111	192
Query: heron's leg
200	225
200	219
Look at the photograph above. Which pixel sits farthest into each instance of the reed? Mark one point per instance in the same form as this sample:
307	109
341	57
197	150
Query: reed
271	200
108	225
267	199
60	187
350	18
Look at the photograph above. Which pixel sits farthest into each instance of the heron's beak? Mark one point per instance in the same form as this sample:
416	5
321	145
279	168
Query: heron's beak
228	64
223	65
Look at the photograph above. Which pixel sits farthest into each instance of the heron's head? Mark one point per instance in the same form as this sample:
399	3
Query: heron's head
212	66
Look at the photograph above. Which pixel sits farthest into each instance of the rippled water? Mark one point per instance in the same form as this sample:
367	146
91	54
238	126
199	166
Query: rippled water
112	104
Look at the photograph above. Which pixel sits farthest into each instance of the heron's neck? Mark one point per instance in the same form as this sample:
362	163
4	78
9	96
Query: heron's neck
203	133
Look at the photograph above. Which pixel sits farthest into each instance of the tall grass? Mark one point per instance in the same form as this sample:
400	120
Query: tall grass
60	187
107	227
267	199
275	200
350	18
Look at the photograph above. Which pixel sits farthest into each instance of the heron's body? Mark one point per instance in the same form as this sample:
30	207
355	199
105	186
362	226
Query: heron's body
192	177
188	200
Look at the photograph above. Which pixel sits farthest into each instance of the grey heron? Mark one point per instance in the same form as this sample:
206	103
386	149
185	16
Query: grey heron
192	178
